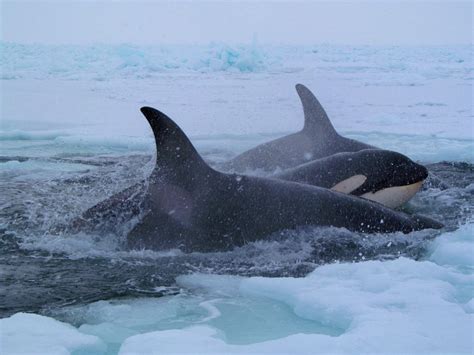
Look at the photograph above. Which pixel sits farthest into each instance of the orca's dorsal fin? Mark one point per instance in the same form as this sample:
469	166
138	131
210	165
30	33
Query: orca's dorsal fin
175	154
316	120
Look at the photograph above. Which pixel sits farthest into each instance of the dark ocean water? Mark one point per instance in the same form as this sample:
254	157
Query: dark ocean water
41	272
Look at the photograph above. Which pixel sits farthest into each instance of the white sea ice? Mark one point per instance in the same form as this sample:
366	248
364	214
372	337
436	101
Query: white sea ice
25	333
417	101
399	306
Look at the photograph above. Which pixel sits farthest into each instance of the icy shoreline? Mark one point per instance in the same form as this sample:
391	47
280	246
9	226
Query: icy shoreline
104	62
67	110
382	307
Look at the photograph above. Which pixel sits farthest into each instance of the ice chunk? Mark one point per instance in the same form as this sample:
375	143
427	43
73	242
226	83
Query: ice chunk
455	248
196	340
395	306
25	333
398	306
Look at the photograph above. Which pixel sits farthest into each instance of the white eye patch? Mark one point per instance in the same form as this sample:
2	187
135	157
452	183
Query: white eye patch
348	185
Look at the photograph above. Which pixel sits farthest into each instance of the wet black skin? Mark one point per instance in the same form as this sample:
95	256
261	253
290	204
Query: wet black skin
317	139
191	206
383	169
186	204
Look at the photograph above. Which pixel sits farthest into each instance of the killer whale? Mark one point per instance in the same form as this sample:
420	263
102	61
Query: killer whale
188	205
317	139
387	177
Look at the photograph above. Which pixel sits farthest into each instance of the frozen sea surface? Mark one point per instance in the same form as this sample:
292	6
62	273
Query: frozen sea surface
71	135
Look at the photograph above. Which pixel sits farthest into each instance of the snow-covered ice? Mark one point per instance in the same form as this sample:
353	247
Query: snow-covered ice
65	109
399	306
34	334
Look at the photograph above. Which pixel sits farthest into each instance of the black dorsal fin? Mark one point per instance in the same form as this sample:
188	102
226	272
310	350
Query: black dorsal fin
316	121
175	154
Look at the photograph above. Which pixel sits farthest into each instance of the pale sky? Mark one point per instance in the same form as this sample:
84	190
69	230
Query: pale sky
279	22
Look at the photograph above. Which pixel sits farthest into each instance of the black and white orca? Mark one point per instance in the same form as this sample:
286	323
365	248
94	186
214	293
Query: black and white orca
387	177
317	139
186	204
